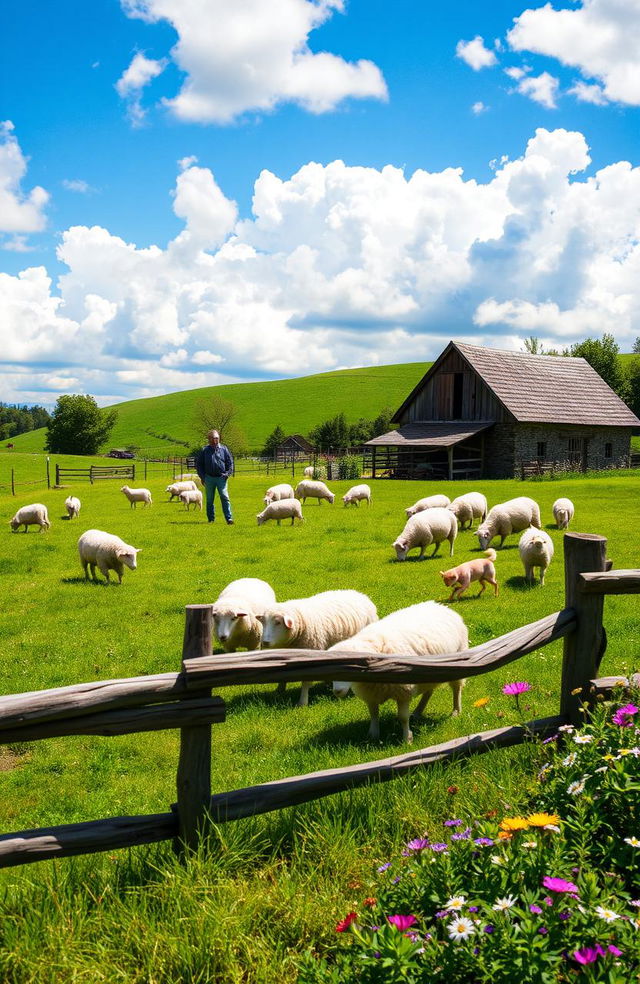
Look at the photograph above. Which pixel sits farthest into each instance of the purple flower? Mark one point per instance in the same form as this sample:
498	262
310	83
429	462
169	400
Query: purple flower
624	715
383	867
462	836
559	885
473	908
418	844
402	923
452	823
441	913
536	909
438	847
543	931
588	954
564	915
489	928
614	950
515	689
546	741
394	881
484	841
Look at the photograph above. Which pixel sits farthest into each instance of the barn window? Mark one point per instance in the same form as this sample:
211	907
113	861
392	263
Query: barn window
575	447
542	449
458	381
608	450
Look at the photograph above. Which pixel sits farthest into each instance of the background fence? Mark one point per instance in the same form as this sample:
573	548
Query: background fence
183	700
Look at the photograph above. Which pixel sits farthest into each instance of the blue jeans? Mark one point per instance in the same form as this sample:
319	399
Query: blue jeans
212	483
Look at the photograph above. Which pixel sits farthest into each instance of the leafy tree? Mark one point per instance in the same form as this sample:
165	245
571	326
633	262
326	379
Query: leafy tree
78	426
331	434
216	413
602	355
17	420
360	432
636	346
275	438
382	423
633	385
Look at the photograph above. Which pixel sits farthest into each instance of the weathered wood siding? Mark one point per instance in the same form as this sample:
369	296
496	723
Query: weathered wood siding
444	398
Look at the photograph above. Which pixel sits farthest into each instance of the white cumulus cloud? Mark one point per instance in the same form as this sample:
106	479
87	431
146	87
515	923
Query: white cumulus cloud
476	54
140	72
541	88
20	212
253	56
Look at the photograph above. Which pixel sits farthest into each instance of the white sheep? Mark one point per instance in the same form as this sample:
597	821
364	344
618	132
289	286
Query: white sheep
536	550
72	505
317	622
189	477
278	492
356	494
137	495
508	517
431	502
470	506
423	529
306	489
563	510
34	515
420	630
176	488
282	509
309	471
234	613
107	552
191	497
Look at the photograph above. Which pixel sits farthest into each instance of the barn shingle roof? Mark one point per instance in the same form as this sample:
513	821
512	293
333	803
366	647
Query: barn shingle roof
544	388
436	435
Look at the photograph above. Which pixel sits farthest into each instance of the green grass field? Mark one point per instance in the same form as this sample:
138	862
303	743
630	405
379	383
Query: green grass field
274	885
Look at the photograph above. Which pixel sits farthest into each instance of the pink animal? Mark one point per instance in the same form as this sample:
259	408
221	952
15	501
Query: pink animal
459	578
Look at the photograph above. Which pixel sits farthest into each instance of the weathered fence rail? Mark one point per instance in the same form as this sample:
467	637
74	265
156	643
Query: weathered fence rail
183	700
94	473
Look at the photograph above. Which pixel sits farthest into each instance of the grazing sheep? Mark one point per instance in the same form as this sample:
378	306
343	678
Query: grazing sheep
356	493
234	613
191	497
563	510
423	529
176	488
459	578
189	477
431	502
317	622
107	552
283	509
72	505
34	515
278	492
536	550
470	506
424	629
309	471
508	517
137	495
306	489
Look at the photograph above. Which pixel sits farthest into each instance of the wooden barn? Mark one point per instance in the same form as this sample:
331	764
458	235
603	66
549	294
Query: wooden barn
293	447
482	413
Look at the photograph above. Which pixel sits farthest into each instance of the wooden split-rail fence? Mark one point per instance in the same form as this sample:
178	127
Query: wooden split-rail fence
94	473
183	700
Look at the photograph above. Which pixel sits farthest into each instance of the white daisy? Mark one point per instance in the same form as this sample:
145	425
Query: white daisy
455	902
553	827
460	929
576	788
496	859
583	739
528	844
570	759
568	728
632	841
501	905
607	914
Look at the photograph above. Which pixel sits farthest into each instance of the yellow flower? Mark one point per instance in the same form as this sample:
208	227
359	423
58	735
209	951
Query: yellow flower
608	757
482	702
514	823
504	835
542	819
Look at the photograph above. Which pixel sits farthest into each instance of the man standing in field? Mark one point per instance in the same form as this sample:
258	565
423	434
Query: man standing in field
214	464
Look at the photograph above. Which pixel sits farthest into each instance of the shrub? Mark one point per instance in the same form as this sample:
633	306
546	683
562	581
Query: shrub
349	467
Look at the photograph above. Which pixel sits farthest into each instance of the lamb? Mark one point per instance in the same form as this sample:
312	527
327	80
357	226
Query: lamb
34	515
356	493
189	477
536	550
306	489
309	471
176	488
137	495
563	510
470	506
427	527
283	509
107	552
431	502
420	630
278	492
459	578
72	505
234	613
317	622
508	517
191	497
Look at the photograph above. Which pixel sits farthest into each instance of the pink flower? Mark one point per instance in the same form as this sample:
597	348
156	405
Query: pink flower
344	924
624	715
559	885
418	844
514	689
588	954
614	950
402	923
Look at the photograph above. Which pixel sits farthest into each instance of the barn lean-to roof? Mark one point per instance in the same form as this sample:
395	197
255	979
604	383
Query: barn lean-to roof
540	388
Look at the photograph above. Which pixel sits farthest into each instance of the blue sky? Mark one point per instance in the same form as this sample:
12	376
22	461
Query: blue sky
173	212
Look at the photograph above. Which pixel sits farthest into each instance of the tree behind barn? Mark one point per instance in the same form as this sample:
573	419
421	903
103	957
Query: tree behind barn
78	426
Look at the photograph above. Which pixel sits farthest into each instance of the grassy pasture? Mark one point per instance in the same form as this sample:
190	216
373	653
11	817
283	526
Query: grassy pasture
272	885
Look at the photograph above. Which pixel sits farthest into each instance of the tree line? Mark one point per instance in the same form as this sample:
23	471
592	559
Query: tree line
335	433
15	419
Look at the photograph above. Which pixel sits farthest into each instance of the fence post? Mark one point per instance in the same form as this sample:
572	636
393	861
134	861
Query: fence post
145	469
193	780
13	484
583	552
48	475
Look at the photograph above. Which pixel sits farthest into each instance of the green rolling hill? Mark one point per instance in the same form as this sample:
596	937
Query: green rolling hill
159	423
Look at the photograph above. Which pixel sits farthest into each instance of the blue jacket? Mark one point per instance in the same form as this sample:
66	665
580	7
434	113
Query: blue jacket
214	461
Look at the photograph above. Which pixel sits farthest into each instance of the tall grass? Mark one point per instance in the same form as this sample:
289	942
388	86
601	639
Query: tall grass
269	886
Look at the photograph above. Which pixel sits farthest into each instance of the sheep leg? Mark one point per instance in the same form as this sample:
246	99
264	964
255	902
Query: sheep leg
85	565
503	537
542	570
435	550
424	700
303	700
483	585
278	522
451	546
374	714
403	717
93	570
282	687
456	687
